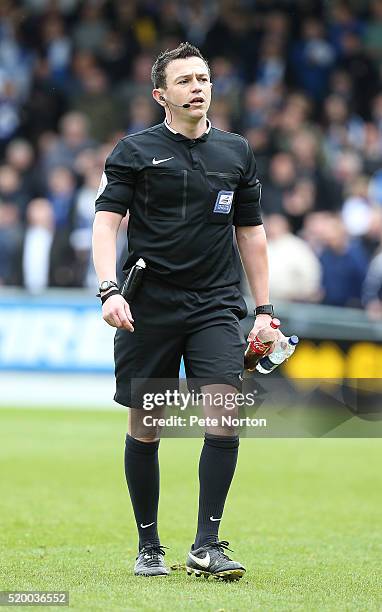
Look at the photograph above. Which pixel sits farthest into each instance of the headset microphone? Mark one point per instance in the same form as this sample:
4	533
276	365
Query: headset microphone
173	103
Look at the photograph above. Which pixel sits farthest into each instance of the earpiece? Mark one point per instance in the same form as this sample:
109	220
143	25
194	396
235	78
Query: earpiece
173	103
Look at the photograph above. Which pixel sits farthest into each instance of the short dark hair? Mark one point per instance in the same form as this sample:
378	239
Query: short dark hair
184	50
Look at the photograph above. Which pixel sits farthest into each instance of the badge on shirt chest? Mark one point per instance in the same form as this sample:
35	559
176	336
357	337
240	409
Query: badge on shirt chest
223	202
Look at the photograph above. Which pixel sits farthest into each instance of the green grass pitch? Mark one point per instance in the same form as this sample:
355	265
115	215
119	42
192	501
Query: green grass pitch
303	516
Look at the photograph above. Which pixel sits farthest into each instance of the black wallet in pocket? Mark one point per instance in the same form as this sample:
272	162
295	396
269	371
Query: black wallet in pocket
133	280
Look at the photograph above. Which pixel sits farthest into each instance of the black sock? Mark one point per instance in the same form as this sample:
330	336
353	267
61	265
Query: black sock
142	477
216	469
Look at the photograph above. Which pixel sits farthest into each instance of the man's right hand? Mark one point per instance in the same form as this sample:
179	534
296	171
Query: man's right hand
116	312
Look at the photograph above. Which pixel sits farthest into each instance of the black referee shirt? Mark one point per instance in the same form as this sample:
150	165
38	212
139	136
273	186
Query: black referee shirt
184	196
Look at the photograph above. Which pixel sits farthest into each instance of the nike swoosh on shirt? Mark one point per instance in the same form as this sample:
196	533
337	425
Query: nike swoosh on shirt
202	562
149	525
160	161
214	519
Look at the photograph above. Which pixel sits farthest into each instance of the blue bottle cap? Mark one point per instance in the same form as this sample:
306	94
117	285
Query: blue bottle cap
294	340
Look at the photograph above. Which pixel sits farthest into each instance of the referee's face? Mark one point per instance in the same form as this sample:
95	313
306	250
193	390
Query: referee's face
188	82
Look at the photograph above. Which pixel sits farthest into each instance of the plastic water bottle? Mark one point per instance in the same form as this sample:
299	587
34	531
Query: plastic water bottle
282	351
261	345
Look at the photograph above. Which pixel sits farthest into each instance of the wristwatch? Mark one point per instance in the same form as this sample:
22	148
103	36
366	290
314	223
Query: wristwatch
265	309
106	285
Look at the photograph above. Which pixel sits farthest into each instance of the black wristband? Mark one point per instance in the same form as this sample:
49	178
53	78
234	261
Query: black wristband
265	309
109	294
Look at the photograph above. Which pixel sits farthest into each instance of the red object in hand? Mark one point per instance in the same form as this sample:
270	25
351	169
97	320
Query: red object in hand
261	345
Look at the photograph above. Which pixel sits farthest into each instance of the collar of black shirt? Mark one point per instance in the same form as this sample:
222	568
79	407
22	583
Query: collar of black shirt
177	136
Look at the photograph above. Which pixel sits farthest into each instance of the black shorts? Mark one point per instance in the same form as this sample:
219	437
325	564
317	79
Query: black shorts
170	322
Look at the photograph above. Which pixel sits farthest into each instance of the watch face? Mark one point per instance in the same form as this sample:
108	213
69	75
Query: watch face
105	285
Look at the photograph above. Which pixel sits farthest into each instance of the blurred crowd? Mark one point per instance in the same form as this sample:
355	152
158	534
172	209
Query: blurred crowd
301	80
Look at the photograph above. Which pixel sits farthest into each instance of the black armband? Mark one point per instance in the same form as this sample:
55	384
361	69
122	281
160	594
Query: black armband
105	297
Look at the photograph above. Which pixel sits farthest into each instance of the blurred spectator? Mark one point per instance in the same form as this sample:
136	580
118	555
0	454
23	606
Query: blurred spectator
340	84
10	241
375	187
344	266
98	104
45	104
227	85
360	70
372	288
84	204
74	138
91	30
61	194
87	161
139	84
343	23
298	202
292	116
293	266
81	236
306	148
197	17
357	208
220	115
313	58
136	26
314	230
57	48
376	111
16	59
11	189
346	166
372	37
277	25
281	179
271	66
20	156
232	32
83	62
115	55
371	240
372	148
38	240
141	115
259	140
10	109
170	23
258	105
342	128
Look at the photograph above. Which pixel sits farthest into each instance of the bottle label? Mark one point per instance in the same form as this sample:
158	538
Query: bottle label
259	347
267	364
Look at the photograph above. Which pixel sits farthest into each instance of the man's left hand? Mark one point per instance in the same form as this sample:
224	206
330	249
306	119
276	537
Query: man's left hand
262	320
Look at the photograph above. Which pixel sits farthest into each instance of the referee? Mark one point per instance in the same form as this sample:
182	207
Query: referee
185	184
